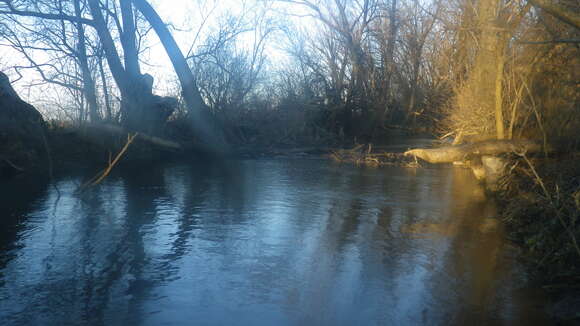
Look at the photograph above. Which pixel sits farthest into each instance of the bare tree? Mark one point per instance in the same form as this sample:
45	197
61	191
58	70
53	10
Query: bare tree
562	13
195	104
56	28
417	27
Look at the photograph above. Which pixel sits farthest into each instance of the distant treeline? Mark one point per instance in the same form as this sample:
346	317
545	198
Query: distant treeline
465	68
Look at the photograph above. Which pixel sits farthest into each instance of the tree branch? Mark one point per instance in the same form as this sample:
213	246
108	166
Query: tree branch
563	14
26	13
572	41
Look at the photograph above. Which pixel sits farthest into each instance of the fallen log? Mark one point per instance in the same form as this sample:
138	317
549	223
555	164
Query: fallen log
459	153
94	133
483	157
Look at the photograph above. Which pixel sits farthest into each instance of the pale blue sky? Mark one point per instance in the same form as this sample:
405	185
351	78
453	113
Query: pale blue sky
185	16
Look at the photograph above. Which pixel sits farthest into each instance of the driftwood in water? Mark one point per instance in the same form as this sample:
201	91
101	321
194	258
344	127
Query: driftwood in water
458	153
363	155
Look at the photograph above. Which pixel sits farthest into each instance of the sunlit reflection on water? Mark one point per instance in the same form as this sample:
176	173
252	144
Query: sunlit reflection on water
264	242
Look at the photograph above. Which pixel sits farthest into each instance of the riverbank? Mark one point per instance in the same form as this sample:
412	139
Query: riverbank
540	205
69	145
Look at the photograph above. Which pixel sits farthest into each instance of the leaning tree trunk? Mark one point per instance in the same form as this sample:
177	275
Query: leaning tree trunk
138	104
211	137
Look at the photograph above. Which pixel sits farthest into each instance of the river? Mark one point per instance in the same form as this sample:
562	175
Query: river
259	242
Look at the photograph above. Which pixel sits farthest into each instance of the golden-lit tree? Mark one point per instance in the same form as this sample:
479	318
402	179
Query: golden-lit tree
502	94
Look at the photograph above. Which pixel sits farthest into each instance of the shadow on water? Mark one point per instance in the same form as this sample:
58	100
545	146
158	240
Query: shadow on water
260	242
18	196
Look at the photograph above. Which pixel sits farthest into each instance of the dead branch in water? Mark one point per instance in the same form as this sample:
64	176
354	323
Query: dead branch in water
362	155
103	174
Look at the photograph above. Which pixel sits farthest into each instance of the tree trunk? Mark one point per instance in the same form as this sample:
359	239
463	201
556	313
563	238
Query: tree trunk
136	96
499	122
486	69
197	109
128	40
137	105
95	132
88	82
459	153
411	114
568	16
106	97
111	53
480	97
388	62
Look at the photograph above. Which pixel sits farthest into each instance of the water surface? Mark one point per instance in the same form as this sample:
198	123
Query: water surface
259	242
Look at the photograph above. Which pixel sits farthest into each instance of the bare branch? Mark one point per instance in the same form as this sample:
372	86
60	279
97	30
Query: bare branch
568	16
26	13
569	41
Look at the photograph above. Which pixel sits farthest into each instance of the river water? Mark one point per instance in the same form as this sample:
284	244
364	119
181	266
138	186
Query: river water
259	242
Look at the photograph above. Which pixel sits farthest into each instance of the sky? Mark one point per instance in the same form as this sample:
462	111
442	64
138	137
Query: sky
187	20
184	16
